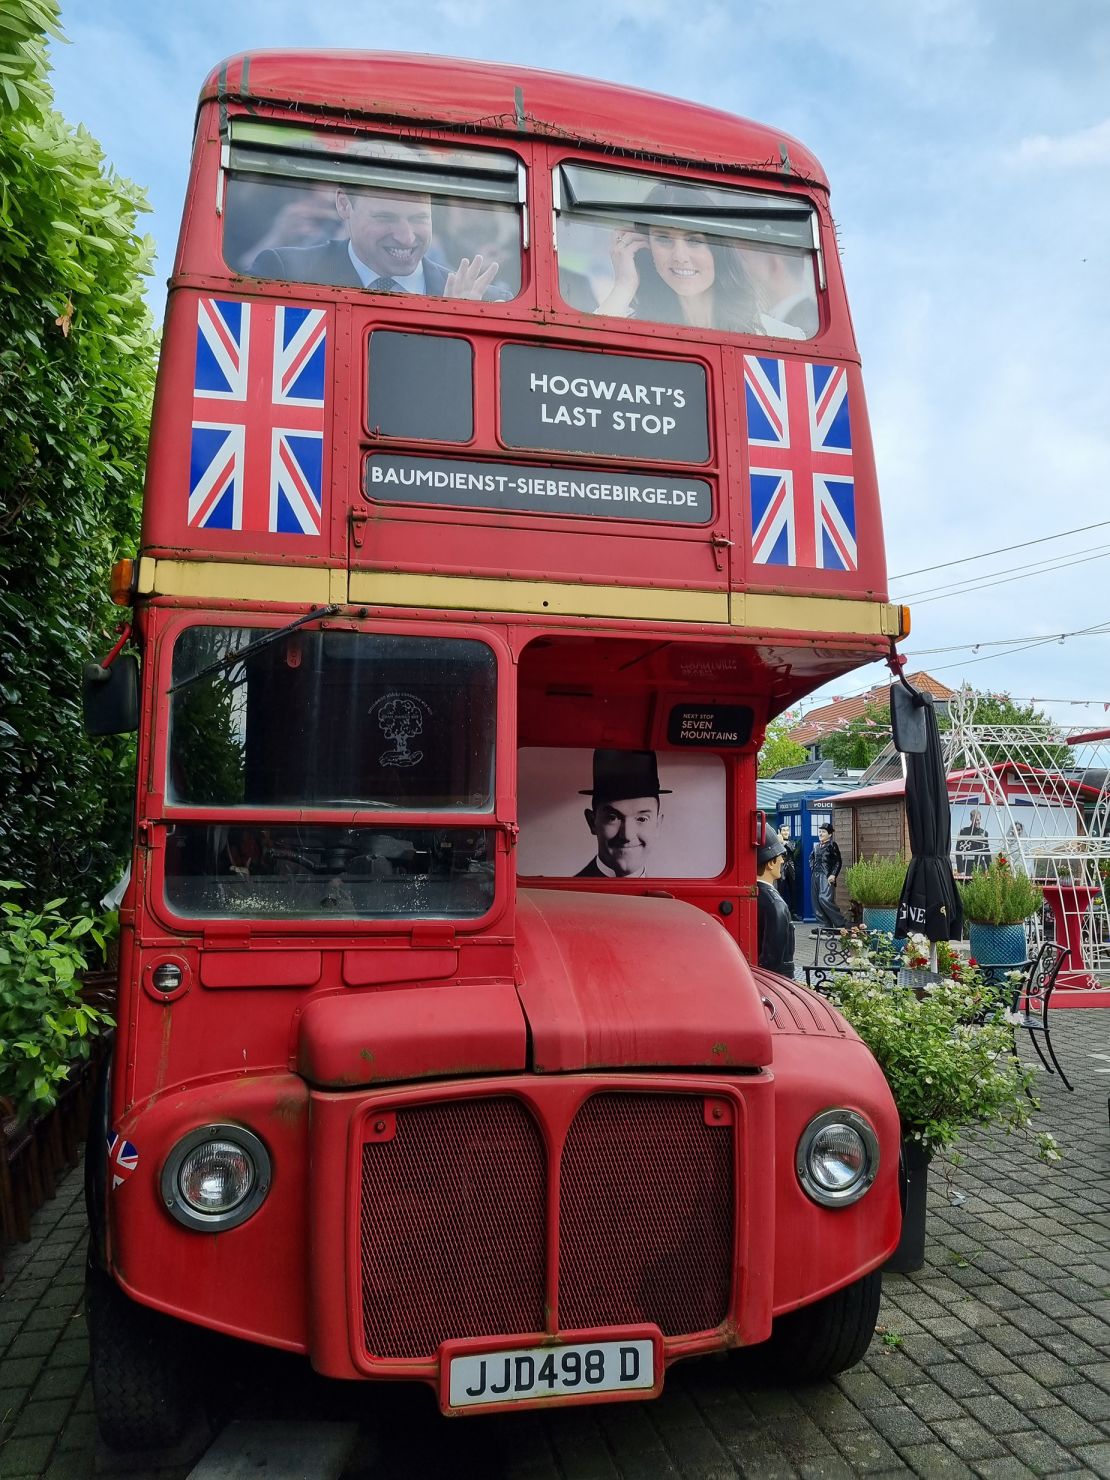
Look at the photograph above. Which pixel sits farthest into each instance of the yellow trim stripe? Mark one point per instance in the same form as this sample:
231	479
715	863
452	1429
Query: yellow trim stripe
212	580
220	580
553	598
815	614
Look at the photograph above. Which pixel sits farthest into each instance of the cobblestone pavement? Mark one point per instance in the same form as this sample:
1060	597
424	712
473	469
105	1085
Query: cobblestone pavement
994	1360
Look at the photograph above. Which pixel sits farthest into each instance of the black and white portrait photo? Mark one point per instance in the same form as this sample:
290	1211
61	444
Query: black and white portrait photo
620	814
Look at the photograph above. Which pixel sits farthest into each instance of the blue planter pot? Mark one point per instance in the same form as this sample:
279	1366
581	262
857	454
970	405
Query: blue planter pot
880	919
998	945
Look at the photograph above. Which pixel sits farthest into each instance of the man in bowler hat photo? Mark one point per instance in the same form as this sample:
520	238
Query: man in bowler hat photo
625	813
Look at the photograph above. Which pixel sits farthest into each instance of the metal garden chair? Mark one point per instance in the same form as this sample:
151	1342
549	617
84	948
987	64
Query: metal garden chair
1031	1000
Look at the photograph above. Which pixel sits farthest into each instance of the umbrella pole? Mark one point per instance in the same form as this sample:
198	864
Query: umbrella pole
933	955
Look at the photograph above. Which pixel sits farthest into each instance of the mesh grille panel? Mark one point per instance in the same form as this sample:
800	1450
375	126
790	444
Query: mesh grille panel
646	1215
452	1227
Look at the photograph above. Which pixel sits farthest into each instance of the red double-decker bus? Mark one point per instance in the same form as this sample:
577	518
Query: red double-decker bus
510	470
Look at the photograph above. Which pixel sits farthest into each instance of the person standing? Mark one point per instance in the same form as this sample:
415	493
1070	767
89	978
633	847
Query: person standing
774	931
788	880
825	864
973	848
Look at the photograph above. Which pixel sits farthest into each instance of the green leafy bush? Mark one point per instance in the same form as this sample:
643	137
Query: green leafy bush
45	1026
876	883
947	1052
77	355
999	896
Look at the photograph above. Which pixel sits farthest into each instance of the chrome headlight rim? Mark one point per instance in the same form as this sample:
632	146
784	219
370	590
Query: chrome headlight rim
247	1142
846	1196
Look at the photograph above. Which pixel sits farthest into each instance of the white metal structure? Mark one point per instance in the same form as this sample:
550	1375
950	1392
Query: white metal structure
1043	795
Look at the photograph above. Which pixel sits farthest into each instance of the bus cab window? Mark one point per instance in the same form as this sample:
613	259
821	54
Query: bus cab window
373	213
676	252
338	720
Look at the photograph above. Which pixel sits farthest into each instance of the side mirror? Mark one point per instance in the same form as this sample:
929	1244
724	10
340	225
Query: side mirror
110	697
907	720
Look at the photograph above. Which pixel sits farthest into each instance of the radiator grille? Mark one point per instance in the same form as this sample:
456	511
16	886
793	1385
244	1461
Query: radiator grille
646	1215
452	1227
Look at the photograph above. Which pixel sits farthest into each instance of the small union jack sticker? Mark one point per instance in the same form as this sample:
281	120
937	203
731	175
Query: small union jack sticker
123	1158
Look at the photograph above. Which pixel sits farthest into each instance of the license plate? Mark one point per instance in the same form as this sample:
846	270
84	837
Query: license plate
551	1372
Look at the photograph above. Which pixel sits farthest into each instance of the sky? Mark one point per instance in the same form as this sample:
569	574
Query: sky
967	143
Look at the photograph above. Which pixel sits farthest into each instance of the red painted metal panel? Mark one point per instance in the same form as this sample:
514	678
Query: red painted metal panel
369	968
412	1033
260	968
249	1281
818	1250
452	1213
524	100
614	982
646	1214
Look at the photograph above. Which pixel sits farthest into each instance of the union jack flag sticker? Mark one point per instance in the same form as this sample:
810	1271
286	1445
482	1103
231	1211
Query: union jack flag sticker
803	496
257	450
123	1158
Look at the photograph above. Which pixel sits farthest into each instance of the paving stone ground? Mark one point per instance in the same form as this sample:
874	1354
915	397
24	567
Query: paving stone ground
992	1361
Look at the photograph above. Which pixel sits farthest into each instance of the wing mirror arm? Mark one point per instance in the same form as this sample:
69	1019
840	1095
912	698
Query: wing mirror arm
907	708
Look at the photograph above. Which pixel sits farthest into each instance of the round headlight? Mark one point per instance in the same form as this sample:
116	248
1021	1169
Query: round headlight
837	1158
216	1177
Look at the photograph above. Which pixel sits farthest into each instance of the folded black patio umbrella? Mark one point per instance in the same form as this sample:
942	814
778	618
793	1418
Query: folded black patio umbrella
930	903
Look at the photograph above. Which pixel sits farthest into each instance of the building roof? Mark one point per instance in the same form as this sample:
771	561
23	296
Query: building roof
814	773
770	791
828	717
890	789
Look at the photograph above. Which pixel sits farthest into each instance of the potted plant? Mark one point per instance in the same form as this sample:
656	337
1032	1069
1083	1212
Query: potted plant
997	901
876	884
947	1051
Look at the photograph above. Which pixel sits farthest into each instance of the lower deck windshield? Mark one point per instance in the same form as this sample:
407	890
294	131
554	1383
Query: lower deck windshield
326	871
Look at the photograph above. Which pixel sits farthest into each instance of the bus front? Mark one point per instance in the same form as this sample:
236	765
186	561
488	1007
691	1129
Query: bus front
502	487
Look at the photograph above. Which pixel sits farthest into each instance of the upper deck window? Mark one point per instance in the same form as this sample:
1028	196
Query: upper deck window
672	251
358	211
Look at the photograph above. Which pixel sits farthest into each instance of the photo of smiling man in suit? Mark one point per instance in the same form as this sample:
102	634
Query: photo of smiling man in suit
386	253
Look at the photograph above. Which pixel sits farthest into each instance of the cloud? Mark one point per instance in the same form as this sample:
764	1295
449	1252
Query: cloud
1086	146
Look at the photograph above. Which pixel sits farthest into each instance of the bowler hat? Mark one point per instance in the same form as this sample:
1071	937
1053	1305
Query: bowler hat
624	773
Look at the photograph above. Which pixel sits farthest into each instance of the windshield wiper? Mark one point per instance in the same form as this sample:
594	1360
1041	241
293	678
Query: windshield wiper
253	647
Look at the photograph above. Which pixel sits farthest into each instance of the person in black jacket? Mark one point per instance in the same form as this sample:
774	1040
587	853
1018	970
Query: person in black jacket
825	864
774	930
788	882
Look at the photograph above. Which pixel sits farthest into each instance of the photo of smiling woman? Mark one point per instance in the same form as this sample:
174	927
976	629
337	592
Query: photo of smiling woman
666	275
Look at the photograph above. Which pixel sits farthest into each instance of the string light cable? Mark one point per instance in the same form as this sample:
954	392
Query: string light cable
1005	576
1009	646
1002	550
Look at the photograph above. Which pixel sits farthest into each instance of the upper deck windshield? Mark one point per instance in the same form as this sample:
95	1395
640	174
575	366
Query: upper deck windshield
673	251
340	720
352	211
